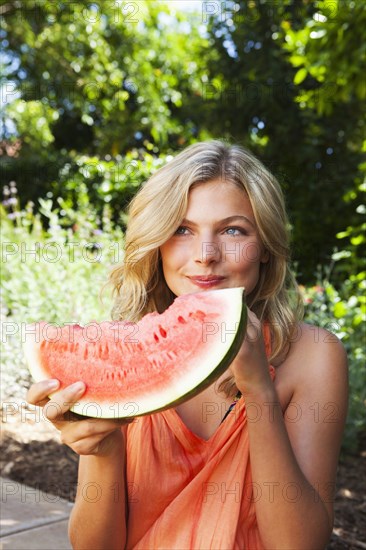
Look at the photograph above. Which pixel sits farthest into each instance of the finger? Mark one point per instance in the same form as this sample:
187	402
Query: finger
254	327
252	318
74	431
60	402
101	444
39	392
85	429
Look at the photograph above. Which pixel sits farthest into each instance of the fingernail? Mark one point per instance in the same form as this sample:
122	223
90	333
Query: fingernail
77	387
51	384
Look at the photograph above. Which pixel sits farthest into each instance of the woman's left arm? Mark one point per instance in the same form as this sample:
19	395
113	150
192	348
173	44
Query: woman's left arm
294	453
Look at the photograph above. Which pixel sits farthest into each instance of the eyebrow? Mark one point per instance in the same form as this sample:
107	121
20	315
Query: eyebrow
224	220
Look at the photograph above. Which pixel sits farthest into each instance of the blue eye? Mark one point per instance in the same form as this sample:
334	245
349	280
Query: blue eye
180	230
239	229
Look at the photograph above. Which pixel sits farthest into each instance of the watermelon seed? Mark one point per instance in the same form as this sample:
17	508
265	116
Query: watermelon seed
182	320
162	331
156	338
198	315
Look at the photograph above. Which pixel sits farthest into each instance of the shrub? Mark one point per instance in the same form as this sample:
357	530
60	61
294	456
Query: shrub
342	311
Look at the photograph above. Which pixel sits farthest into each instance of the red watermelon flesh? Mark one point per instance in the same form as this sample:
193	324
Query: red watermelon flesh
131	369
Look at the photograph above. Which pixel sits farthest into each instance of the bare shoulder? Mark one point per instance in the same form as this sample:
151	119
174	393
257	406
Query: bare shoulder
315	369
315	374
315	356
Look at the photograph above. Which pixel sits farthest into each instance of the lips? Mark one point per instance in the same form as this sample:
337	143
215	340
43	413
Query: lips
206	281
207	278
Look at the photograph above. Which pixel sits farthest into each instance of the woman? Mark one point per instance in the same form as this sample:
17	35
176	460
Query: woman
261	475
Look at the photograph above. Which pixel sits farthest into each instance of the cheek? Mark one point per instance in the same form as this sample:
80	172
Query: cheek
171	255
245	255
252	252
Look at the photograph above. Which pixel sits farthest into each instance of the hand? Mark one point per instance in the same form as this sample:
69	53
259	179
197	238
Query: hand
250	367
86	436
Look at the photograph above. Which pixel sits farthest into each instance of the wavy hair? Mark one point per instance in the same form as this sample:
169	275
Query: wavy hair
157	210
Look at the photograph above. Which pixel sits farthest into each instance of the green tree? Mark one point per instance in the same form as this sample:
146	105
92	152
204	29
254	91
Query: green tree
287	82
329	53
97	79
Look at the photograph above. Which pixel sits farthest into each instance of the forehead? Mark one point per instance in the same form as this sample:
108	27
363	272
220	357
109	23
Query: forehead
218	196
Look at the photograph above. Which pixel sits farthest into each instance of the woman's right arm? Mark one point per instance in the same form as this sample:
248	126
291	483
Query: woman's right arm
98	519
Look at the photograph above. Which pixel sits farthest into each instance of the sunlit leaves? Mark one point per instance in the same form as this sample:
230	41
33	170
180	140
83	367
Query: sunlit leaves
331	49
33	120
120	68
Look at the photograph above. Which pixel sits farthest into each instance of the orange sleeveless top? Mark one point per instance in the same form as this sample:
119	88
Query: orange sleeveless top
188	493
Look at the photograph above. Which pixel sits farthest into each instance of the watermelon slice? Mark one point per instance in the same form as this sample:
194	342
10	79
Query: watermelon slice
133	369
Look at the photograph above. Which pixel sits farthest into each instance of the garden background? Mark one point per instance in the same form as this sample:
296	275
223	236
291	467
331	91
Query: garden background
96	96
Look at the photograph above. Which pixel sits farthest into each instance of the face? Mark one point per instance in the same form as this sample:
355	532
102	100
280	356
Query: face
217	244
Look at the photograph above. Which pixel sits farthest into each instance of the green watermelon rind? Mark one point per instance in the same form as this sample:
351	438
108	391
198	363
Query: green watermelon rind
228	351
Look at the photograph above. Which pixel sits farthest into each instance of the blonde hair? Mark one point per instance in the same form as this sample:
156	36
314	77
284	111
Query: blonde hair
158	208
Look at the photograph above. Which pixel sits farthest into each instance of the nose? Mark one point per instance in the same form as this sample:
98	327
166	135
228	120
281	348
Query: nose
207	251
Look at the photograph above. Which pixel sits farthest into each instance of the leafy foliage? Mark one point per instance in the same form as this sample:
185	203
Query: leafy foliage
343	312
111	75
93	80
286	81
327	52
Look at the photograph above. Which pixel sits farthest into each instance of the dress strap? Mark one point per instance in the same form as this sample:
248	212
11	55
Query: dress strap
267	337
236	399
